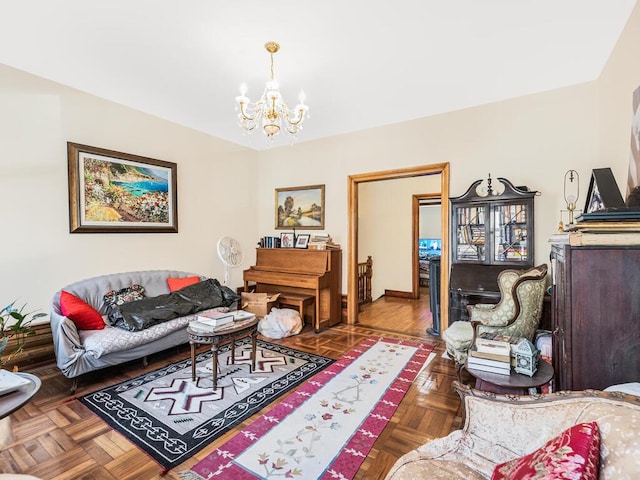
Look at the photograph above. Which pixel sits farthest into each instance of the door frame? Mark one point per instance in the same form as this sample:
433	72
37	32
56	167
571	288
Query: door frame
353	181
415	227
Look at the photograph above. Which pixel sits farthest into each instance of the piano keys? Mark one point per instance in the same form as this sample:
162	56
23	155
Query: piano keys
311	272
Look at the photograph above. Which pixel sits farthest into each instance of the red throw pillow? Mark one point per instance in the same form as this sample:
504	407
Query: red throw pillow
80	312
178	283
574	454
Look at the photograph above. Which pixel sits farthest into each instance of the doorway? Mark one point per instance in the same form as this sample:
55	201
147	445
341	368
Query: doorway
426	227
441	169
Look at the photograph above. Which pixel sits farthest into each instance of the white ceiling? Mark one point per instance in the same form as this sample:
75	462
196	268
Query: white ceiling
361	63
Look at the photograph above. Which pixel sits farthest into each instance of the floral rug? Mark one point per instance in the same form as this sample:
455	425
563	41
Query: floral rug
326	427
171	417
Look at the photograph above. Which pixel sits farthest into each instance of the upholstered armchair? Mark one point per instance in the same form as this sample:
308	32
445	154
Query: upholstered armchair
516	314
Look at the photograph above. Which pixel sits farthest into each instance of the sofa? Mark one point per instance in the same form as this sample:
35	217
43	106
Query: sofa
500	428
79	350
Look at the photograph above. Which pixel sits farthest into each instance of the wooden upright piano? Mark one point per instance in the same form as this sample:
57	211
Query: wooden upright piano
312	272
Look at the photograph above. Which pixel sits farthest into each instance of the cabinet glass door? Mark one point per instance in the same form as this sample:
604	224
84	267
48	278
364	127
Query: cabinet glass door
470	225
510	233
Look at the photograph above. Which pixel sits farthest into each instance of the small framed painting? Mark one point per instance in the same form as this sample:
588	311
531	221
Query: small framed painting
300	207
302	240
603	193
115	192
286	240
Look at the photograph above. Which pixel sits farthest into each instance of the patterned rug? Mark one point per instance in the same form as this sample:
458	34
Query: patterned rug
171	417
326	427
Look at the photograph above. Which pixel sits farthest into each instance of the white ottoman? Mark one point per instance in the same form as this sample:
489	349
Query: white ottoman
458	339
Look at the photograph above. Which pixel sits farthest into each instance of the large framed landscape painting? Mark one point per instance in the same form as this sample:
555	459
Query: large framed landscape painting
115	192
301	207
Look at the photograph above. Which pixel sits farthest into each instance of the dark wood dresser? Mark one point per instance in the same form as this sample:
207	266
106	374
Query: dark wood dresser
595	316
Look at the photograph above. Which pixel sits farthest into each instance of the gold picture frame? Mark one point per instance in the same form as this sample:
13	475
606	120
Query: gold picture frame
300	207
115	192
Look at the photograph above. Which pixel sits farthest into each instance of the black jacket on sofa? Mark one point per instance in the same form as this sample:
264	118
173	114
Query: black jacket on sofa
141	314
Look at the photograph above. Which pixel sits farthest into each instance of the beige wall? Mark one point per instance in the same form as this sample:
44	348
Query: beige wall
216	191
430	221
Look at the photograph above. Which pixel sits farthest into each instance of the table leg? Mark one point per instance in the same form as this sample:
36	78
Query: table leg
6	432
254	336
193	360
214	350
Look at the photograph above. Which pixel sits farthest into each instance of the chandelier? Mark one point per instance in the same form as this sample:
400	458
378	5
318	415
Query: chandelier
270	110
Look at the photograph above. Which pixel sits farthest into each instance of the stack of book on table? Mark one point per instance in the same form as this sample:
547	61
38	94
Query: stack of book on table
490	356
213	321
10	382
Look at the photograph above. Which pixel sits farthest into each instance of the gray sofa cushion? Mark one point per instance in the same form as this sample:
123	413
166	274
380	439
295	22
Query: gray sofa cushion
98	343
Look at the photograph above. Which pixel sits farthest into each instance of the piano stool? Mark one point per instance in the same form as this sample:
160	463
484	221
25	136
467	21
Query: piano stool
300	301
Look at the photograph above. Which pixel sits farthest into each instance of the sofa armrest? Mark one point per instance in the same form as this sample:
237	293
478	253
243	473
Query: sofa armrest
520	423
66	340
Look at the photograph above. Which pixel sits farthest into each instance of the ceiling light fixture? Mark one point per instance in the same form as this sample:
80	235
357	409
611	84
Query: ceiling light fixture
270	110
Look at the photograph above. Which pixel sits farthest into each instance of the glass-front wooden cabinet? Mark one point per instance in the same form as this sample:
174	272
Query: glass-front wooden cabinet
491	230
493	225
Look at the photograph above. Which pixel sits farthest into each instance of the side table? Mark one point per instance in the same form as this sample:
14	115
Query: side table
514	383
224	335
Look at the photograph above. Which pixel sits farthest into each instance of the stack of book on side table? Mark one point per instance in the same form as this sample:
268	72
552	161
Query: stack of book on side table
10	382
490	356
208	322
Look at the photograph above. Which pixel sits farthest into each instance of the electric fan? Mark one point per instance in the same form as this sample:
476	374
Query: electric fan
230	254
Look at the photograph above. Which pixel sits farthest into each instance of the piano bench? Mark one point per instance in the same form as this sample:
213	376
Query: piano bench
299	301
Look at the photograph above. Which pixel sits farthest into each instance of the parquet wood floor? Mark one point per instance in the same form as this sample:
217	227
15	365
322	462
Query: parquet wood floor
55	437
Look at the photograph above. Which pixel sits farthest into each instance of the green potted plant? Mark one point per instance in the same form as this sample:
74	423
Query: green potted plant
14	323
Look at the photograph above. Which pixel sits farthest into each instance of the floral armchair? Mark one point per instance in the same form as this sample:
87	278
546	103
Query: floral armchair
517	314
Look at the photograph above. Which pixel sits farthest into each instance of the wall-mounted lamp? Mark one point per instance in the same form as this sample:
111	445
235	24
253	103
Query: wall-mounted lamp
571	192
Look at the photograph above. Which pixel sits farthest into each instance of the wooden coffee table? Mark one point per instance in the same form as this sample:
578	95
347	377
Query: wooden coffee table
226	334
514	383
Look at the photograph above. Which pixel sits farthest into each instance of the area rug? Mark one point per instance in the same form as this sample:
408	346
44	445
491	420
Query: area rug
171	417
326	427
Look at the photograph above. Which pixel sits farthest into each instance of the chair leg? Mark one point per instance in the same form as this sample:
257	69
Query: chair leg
74	385
459	371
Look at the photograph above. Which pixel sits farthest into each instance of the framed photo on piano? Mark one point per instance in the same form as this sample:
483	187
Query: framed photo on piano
300	207
302	240
287	239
